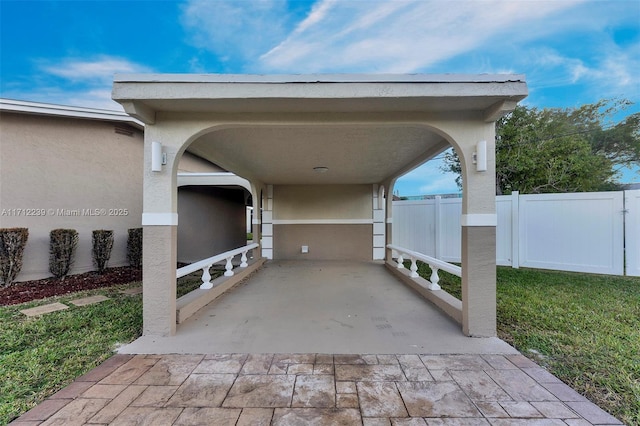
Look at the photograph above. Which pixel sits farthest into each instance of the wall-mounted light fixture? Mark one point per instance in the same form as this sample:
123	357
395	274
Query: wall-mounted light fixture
158	158
320	169
480	156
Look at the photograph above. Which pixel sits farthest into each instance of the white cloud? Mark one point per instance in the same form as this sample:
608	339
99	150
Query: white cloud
610	72
90	98
75	82
236	30
617	71
398	36
577	71
96	98
101	69
317	14
548	68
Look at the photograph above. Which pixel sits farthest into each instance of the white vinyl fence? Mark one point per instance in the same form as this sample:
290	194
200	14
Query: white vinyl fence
583	232
632	231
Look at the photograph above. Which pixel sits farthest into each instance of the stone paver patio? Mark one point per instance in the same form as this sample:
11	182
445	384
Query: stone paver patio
317	389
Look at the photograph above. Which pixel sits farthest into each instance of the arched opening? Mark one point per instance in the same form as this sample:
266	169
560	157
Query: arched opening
212	205
213	219
323	198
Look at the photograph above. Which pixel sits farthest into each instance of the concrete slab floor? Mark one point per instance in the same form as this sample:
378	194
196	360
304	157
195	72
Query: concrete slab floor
320	307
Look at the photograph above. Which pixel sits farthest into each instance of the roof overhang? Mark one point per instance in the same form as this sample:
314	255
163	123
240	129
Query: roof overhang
39	108
355	125
143	95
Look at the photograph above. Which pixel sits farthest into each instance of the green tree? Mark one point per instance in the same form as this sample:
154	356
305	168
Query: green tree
561	150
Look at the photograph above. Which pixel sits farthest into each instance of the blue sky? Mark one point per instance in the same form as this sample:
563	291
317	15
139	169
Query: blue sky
572	52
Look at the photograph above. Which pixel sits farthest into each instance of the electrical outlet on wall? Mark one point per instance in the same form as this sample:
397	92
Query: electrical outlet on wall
304	249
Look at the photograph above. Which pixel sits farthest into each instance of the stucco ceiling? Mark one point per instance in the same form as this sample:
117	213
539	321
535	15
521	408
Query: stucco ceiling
286	155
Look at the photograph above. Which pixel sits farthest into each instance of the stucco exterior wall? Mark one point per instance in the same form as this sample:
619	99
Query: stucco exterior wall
325	242
321	202
72	173
333	221
82	174
211	221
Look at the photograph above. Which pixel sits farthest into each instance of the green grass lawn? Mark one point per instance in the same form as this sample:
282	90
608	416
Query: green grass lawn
584	328
193	281
40	355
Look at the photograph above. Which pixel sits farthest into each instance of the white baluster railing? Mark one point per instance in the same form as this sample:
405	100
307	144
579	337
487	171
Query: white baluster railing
434	264
206	264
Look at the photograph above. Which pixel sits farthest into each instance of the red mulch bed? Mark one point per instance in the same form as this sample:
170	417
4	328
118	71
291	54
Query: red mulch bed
32	290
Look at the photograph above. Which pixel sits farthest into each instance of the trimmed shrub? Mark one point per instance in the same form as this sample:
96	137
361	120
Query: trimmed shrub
134	247
62	247
12	243
102	245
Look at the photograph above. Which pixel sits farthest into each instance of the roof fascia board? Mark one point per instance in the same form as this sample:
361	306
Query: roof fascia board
212	92
37	108
318	78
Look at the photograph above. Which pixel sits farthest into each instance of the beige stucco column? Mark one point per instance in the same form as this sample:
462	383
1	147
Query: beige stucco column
478	222
479	241
160	225
256	223
479	281
389	185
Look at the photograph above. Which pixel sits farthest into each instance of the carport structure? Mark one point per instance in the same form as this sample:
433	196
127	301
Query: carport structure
322	154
